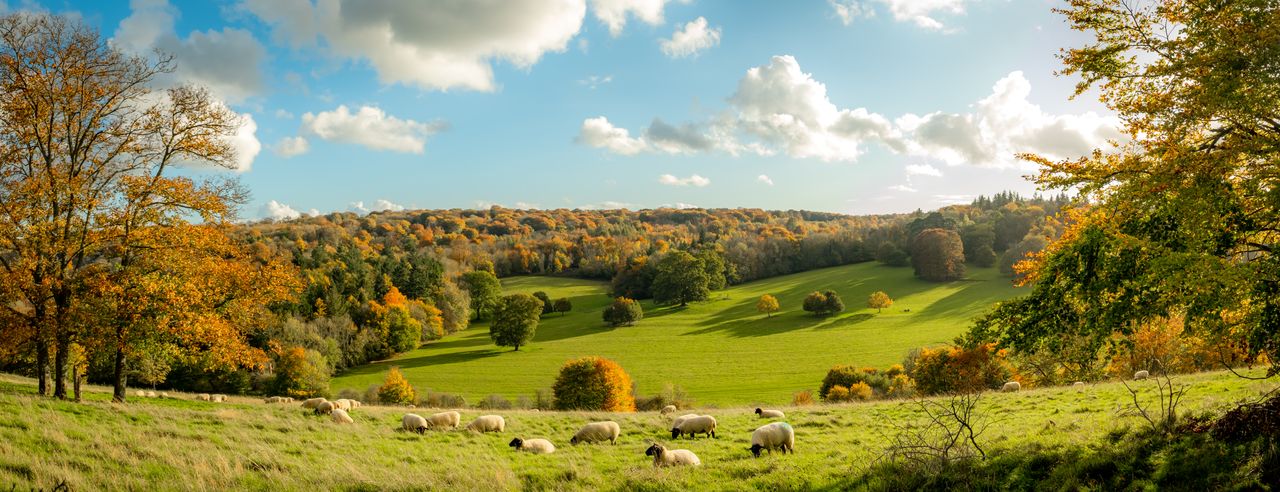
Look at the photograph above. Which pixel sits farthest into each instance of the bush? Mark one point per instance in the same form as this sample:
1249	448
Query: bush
593	383
300	373
396	389
860	391
848	376
547	305
670	395
836	394
959	370
444	400
901	386
623	312
494	402
802	398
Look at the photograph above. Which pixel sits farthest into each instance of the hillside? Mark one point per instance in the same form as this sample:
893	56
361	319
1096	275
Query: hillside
245	444
721	351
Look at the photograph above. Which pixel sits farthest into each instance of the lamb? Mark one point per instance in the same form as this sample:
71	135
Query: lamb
669	409
597	432
448	419
770	414
1011	386
487	423
1140	375
340	416
313	402
413	423
702	424
204	397
326	407
778	435
536	446
671	457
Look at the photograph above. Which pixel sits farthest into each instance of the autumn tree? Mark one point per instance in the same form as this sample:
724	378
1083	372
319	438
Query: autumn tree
879	300
484	289
681	278
396	389
593	383
515	320
623	312
767	305
938	255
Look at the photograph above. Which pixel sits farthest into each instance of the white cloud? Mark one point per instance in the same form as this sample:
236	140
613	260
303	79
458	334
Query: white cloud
594	81
606	205
613	13
599	133
379	205
765	179
922	13
693	180
953	199
923	170
279	211
245	143
435	45
692	39
905	188
291	147
371	127
851	10
283	114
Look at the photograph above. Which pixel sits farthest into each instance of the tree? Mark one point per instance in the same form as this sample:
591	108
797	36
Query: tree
681	278
547	305
716	268
979	241
879	300
455	308
562	305
396	389
1021	251
484	289
300	372
623	312
767	304
890	254
938	255
823	303
515	320
593	383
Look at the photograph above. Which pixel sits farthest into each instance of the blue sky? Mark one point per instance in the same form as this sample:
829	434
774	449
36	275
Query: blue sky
857	106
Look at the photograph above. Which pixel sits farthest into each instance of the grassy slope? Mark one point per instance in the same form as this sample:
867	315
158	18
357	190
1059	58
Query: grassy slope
721	351
245	444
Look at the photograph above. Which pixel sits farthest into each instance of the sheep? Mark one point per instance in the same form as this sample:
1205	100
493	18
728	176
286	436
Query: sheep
164	395
342	403
778	435
204	397
273	399
487	423
1078	383
448	419
597	432
1011	386
151	394
356	404
218	398
1140	375
682	418
313	402
326	408
140	393
671	457
536	446
702	424
413	423
669	409
340	416
770	414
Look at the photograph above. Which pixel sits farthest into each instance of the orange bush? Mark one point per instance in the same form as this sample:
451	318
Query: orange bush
593	383
838	393
802	398
396	389
860	391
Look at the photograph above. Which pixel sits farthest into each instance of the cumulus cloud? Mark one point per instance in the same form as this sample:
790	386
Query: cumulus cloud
598	132
923	170
693	180
245	143
765	179
614	13
379	205
922	13
692	39
594	81
850	10
291	147
433	45
371	127
279	211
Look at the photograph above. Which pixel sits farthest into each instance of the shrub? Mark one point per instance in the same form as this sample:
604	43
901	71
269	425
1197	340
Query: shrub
494	402
836	394
542	400
623	312
959	369
593	383
444	400
860	391
300	373
670	395
396	389
802	398
901	386
848	376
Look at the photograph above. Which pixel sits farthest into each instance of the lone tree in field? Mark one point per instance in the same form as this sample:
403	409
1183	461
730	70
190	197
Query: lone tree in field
562	305
396	389
485	289
824	303
682	278
593	383
623	312
515	320
879	301
938	255
767	305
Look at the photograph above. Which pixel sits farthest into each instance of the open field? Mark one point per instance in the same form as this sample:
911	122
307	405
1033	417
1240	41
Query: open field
720	351
245	444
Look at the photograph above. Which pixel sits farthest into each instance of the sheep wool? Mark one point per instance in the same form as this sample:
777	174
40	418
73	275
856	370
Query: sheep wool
671	457
204	397
702	424
1011	386
597	432
682	418
1141	375
164	395
448	420
778	435
536	446
140	393
669	409
151	394
312	403
413	423
218	398
342	403
770	414
326	407
340	416
487	423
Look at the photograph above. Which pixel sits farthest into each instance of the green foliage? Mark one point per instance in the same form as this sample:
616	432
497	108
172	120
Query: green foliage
938	255
484	290
847	377
635	280
958	369
547	305
825	303
562	305
681	278
890	254
300	373
979	245
395	390
623	312
403	332
593	383
1019	252
515	320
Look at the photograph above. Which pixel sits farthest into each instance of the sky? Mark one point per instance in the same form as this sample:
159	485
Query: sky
853	106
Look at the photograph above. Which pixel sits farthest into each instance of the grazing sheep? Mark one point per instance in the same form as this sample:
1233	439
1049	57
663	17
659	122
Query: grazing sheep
356	404
342	403
140	393
770	414
204	397
778	435
1140	375
597	432
682	418
671	457
274	399
151	394
702	424
326	408
313	402
413	423
487	423
536	446
164	395
1078	383
1011	386
340	416
218	398
669	409
448	420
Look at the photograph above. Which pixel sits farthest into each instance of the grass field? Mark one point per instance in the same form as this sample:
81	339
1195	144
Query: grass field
720	351
179	443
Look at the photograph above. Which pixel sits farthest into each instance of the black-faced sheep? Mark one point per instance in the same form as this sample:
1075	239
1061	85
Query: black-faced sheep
326	408
413	423
778	435
312	403
770	414
536	446
671	457
597	432
702	424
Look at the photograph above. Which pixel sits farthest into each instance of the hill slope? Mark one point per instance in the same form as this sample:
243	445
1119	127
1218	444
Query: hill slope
721	351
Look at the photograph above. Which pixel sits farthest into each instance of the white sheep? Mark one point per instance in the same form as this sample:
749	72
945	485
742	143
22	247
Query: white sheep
1078	383
326	408
151	394
1140	375
536	446
671	457
340	416
770	414
356	404
218	398
487	423
273	399
312	403
140	393
668	409
448	420
701	424
778	435
204	397
682	418
1011	386
413	423
597	432
342	403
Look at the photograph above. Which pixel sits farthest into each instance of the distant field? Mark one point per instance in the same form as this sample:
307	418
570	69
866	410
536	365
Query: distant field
721	351
181	444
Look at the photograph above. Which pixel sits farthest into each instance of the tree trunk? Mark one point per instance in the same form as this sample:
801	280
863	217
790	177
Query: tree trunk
60	365
118	377
75	381
42	363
